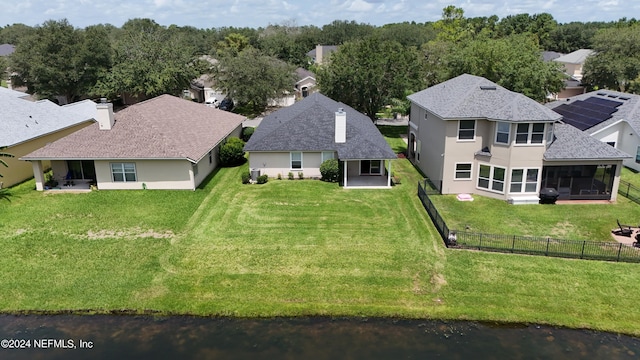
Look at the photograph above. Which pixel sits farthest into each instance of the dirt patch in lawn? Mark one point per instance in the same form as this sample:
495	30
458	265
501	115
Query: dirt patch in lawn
134	233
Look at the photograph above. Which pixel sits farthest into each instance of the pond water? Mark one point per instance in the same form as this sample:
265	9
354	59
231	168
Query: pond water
134	337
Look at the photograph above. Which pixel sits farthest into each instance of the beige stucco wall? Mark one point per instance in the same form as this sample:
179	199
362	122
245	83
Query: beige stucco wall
512	156
155	174
432	134
20	170
274	163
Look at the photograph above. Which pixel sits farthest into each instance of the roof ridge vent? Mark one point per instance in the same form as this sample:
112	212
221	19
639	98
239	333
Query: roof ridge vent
488	87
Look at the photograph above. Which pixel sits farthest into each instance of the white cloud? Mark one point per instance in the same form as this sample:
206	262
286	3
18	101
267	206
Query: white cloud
360	5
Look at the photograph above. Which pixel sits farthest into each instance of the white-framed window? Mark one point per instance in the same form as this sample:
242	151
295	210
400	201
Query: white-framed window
296	160
638	155
123	172
491	178
466	130
530	133
503	130
463	171
549	136
326	155
524	180
210	156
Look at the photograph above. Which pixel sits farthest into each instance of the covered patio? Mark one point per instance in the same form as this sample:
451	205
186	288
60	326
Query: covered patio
366	174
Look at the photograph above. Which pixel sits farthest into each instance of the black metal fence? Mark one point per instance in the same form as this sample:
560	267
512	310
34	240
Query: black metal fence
592	250
531	245
629	191
438	221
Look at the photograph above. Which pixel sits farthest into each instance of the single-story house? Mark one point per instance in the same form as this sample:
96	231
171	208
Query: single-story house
29	125
300	137
611	117
162	143
470	135
306	83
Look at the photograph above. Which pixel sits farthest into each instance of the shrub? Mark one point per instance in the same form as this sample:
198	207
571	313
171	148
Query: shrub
262	179
246	133
300	175
330	170
279	176
290	175
246	176
232	152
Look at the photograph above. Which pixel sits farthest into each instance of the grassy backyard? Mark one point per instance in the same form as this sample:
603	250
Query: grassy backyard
288	248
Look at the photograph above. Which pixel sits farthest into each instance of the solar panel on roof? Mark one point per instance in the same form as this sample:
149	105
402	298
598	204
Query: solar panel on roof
584	114
603	102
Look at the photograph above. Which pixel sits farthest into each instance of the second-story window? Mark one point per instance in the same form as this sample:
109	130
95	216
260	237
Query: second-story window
530	133
502	132
466	130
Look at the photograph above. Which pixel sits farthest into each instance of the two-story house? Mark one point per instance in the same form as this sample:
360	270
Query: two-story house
470	135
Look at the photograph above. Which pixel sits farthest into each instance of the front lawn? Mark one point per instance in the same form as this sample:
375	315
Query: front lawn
287	248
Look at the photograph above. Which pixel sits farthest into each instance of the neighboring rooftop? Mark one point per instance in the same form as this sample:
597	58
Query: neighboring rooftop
302	74
23	120
550	55
472	97
309	125
321	52
165	127
626	108
573	144
7	49
576	57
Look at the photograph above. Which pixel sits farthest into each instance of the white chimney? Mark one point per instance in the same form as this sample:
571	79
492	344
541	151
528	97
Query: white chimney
318	54
104	114
341	126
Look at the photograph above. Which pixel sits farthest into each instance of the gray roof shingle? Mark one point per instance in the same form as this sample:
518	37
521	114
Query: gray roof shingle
165	127
309	125
573	144
23	120
474	97
7	49
576	57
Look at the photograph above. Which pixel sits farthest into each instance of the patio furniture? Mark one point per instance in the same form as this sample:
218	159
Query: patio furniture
625	230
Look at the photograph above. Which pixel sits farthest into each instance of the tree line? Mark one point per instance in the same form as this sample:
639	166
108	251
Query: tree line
375	66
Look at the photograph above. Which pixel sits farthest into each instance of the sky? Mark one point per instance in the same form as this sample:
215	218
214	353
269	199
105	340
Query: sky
206	14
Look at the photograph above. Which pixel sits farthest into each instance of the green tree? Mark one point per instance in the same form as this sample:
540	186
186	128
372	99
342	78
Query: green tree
616	63
13	34
341	31
232	44
252	78
453	26
513	62
368	73
58	60
149	60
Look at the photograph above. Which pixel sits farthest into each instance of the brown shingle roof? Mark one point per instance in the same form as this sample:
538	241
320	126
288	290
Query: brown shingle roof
165	127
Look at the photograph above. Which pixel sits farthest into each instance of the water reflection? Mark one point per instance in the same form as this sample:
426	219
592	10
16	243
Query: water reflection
128	337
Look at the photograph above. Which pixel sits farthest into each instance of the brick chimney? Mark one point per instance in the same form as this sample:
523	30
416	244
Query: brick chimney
341	126
104	114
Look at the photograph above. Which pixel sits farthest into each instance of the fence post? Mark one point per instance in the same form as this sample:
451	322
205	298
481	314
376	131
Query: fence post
619	249
628	187
513	243
546	252
480	243
583	244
